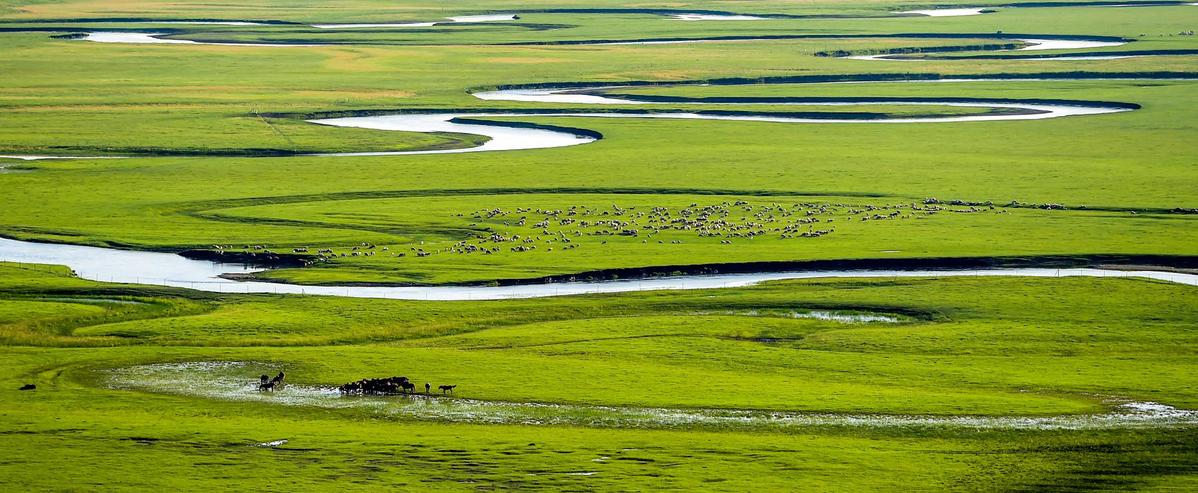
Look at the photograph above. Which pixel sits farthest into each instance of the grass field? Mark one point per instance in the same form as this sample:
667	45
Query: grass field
1025	350
617	392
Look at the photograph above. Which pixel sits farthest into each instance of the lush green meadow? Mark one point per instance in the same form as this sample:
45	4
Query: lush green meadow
402	201
213	148
1025	350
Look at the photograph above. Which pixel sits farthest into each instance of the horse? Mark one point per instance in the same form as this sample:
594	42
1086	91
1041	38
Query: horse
407	386
427	387
446	388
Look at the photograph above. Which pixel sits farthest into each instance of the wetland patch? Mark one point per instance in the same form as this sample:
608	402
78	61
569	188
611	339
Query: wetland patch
236	381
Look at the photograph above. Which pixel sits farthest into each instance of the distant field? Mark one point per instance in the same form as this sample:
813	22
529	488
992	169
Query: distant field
301	201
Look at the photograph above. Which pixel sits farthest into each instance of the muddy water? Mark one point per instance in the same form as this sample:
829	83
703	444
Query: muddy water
237	381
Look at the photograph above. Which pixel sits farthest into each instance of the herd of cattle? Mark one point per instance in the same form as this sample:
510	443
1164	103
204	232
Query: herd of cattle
388	386
365	386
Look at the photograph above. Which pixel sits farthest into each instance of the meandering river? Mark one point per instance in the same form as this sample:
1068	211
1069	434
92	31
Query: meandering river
512	137
168	269
124	266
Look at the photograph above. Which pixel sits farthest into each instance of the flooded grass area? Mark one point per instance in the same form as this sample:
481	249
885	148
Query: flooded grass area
237	381
844	317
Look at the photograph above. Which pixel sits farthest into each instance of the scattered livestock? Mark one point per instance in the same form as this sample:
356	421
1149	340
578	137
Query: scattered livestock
28	386
447	388
525	230
563	229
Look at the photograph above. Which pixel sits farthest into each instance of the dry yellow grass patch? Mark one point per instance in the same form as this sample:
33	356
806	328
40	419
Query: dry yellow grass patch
366	94
522	60
359	60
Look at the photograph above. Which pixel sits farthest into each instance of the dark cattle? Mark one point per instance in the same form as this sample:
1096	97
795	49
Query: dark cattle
378	386
386	386
29	386
267	384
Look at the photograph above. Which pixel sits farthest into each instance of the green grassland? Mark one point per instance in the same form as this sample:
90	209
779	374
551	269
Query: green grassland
979	346
373	10
1153	33
1154	28
434	226
200	99
288	202
944	337
214	137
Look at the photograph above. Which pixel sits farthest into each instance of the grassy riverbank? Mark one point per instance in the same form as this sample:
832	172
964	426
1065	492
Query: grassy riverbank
975	346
